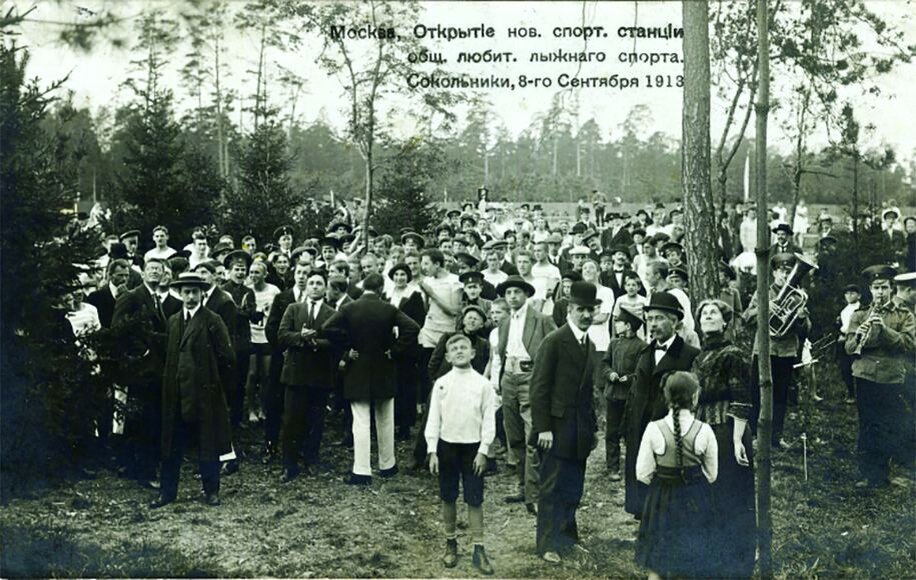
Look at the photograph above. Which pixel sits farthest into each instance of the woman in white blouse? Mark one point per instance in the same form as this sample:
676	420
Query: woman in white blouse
599	333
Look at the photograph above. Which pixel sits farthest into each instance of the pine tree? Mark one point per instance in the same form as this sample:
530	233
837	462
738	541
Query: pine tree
402	189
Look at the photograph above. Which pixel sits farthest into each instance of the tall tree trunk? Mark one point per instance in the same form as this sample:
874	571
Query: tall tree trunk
486	167
257	89
219	114
553	166
765	422
695	161
799	168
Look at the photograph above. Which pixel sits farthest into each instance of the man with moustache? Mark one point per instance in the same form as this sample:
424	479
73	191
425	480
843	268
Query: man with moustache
563	420
646	403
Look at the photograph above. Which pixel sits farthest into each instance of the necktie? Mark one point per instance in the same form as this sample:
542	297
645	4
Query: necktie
312	304
158	306
584	344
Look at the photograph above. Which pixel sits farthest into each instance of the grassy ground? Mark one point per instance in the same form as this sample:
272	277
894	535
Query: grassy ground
824	527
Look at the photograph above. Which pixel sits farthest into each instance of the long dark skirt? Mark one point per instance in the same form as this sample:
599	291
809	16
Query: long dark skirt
734	532
674	538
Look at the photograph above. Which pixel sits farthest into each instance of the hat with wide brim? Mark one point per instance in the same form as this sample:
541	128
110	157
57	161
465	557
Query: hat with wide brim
583	293
666	302
889	211
515	282
417	238
783	227
626	315
189	279
400	267
237	255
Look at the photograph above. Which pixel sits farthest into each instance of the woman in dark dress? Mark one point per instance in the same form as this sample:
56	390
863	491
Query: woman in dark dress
725	404
406	297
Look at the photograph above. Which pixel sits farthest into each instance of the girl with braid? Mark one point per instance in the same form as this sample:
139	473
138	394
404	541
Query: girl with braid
678	459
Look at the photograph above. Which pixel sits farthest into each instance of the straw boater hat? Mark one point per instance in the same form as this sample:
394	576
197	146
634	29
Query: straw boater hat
189	279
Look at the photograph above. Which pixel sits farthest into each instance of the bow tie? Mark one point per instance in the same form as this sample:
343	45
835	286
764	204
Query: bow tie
661	347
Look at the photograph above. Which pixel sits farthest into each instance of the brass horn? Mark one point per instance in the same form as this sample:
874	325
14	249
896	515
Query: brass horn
791	299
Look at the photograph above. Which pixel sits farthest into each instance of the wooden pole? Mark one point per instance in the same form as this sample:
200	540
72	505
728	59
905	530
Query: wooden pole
765	421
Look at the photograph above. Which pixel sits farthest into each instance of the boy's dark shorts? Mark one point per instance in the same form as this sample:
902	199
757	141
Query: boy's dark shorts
457	459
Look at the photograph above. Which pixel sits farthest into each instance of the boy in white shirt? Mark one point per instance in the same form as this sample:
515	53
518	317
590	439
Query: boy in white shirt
459	431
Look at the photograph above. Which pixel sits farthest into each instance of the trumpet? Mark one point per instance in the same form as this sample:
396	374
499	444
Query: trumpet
875	312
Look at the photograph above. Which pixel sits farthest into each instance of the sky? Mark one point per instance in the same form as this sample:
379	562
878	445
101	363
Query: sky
96	77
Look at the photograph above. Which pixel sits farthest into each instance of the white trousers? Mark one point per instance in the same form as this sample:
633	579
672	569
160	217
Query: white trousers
362	435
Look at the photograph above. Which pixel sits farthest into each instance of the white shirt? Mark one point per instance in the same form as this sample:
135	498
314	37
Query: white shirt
653	445
462	410
660	353
437	321
577	332
84	320
684	300
156	253
546	278
495	362
190	313
496	278
515	347
114	290
846	316
600	334
263	300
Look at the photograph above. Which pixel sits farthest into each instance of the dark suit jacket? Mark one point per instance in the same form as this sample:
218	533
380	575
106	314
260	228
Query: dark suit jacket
307	363
646	403
561	394
367	326
622	237
245	305
171	305
413	307
221	303
790	248
198	378
277	310
509	268
140	332
609	279
104	302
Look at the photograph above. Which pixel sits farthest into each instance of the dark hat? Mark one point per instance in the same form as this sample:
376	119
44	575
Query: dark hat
237	255
525	206
589	235
420	240
283	231
642	211
515	282
294	255
494	245
189	279
402	267
888	211
782	259
474	308
507	233
461	240
467	259
855	287
571	275
671	246
879	272
445	227
220	248
827	240
468	218
471	278
678	271
178	263
210	265
580	251
905	279
372	231
639	232
181	254
482	190
728	270
269	248
453	213
659	205
333	241
626	315
117	251
537	207
783	227
404	230
584	294
579	228
129	234
660	237
665	302
825	218
334	225
619	248
554	238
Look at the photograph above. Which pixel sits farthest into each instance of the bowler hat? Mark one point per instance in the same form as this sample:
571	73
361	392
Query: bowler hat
783	227
666	302
453	213
583	293
117	251
515	282
572	275
189	279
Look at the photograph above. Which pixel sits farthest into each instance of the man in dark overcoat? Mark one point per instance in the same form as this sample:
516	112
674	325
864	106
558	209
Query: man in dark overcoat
373	332
139	327
563	421
646	403
195	388
308	374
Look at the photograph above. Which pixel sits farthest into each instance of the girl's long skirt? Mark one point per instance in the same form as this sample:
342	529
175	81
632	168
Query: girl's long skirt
674	532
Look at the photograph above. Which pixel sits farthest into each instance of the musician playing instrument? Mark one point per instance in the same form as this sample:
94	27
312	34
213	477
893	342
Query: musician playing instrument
783	349
883	336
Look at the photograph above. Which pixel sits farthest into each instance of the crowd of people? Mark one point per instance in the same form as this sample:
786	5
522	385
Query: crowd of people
503	336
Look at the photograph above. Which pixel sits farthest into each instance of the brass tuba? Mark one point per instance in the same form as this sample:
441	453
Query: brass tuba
791	299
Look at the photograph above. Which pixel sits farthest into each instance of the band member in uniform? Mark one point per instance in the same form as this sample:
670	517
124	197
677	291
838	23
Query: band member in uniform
783	349
563	421
882	336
